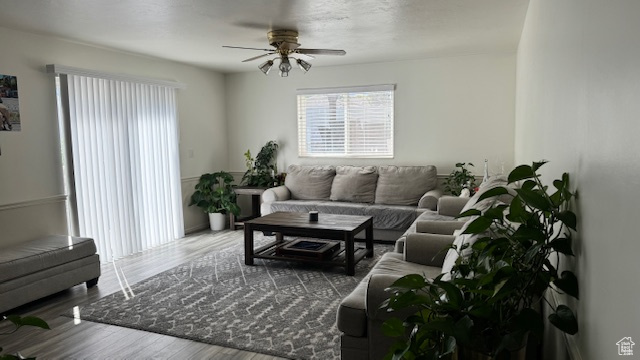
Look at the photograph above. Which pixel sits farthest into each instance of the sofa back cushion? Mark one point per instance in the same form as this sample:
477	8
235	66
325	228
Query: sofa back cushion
310	182
354	184
404	185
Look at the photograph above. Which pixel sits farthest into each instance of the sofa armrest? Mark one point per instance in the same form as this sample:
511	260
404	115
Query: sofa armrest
376	295
430	199
427	249
451	205
278	193
441	227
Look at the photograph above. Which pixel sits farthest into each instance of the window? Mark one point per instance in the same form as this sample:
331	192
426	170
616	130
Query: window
346	122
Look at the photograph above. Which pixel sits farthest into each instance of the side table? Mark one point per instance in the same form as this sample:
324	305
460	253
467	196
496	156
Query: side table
256	194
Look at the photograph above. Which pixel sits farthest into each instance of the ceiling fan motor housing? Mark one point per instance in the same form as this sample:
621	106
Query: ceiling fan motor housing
283	39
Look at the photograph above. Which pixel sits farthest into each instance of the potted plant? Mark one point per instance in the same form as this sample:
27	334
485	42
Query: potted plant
261	171
215	195
492	301
460	179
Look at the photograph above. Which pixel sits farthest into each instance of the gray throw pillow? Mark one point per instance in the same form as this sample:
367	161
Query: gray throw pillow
354	184
404	185
310	182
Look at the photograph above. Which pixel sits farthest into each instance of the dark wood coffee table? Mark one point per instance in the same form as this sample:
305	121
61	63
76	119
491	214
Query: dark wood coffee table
333	227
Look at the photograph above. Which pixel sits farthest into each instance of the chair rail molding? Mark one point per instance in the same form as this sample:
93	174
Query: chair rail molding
34	202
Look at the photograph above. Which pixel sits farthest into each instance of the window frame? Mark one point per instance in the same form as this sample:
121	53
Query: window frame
302	132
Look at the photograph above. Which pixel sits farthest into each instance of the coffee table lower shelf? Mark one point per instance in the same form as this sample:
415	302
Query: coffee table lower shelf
336	259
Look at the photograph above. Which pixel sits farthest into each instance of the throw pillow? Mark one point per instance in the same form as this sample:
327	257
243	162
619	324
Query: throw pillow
310	182
354	184
404	185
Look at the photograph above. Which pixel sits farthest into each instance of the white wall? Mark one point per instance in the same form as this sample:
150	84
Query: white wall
447	110
578	105
30	164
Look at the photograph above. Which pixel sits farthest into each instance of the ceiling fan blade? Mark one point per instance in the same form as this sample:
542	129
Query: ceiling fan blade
258	57
306	55
246	48
321	51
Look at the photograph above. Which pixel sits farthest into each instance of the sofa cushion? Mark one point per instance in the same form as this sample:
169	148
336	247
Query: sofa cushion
354	184
404	185
396	217
310	182
47	252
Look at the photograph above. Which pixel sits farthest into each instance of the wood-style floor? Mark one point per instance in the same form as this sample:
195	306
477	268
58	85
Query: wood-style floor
88	340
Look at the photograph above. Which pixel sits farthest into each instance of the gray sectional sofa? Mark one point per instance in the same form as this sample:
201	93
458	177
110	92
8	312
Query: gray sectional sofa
418	251
393	195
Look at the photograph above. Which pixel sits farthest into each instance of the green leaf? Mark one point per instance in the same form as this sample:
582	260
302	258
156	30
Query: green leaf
558	184
453	293
534	199
34	321
496	191
529	185
411	281
537	165
568	283
496	212
393	327
520	173
517	212
470	212
568	218
478	225
564	320
562	245
525	232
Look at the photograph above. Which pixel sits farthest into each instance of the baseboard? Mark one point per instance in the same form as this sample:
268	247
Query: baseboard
569	340
196	228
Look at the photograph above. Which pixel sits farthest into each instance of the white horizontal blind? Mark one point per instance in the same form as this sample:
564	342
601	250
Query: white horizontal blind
124	139
346	122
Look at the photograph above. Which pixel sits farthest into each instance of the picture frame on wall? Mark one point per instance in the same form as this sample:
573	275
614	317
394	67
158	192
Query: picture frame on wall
9	104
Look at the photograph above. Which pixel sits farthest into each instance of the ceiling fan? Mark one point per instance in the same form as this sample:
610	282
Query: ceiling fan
285	43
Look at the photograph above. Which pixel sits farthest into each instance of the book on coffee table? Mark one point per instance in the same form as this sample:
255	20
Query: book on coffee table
309	248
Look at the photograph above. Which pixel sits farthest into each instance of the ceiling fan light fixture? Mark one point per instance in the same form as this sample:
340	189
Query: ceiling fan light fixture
265	67
304	66
285	66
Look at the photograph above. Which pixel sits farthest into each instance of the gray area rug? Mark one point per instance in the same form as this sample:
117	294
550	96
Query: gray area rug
275	307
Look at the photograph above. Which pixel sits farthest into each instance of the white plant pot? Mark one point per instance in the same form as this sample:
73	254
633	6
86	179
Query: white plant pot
217	221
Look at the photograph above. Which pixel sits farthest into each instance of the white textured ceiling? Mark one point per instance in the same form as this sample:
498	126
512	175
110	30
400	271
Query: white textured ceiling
193	31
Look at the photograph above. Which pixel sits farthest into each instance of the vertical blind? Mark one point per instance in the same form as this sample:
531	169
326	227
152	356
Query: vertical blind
124	139
346	122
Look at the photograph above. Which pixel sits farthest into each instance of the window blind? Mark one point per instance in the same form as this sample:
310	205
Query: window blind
124	140
346	122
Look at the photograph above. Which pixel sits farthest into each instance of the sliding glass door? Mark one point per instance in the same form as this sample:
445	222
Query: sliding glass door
125	173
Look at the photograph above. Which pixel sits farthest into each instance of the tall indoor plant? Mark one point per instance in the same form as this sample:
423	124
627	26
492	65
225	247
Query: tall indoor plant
261	171
492	301
459	179
214	194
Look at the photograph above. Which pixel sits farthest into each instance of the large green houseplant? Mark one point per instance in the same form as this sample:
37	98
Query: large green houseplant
459	179
214	194
492	301
261	171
